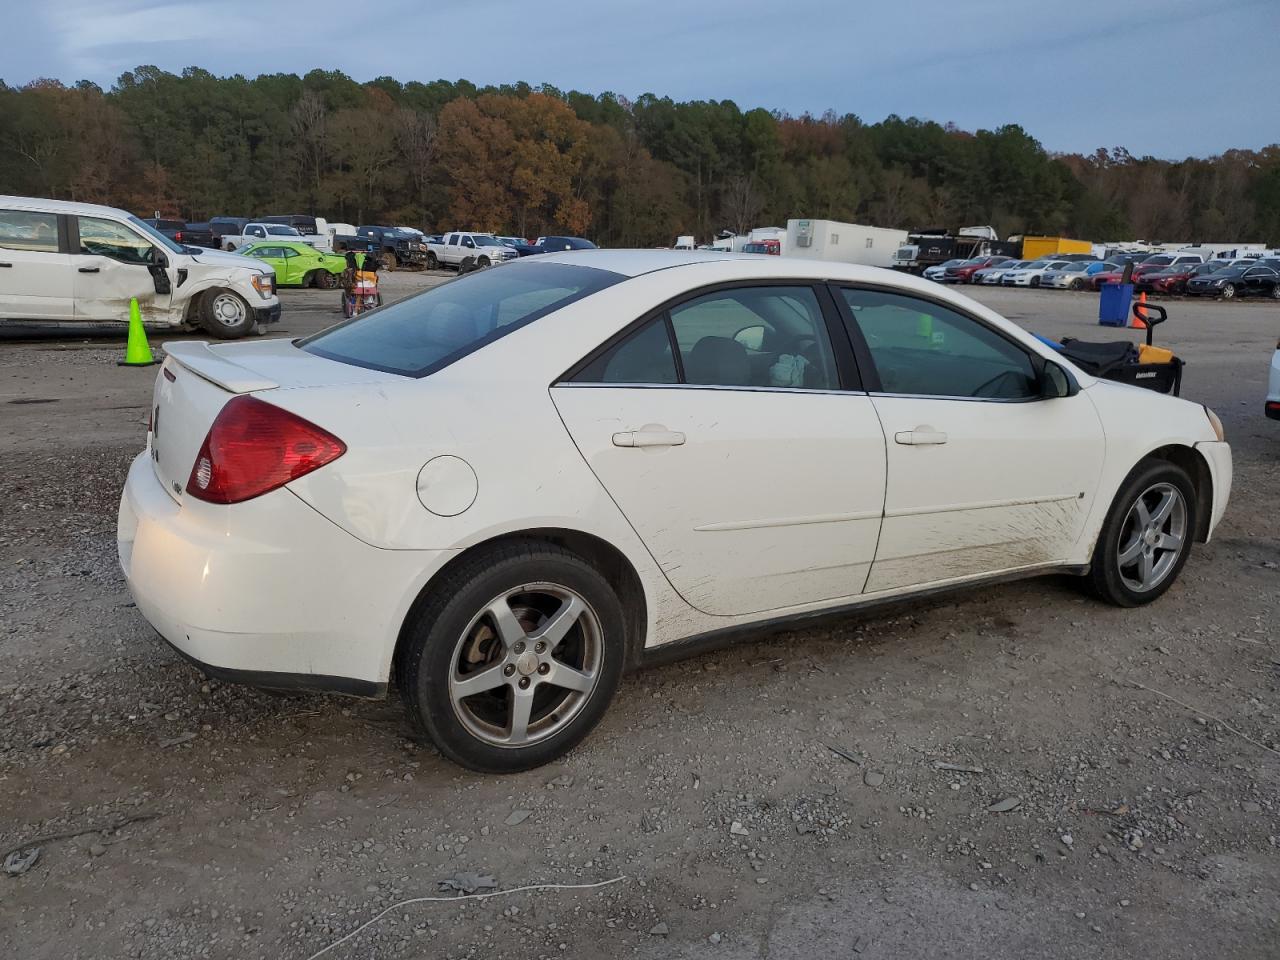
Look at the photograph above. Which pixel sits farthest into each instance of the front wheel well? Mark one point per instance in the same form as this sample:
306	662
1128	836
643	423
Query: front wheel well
1190	460
612	564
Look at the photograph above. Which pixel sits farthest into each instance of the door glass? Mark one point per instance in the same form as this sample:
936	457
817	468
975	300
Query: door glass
925	349
106	238
22	230
755	337
643	357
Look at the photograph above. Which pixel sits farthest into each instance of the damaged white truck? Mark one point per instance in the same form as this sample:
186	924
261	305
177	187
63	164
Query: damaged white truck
80	262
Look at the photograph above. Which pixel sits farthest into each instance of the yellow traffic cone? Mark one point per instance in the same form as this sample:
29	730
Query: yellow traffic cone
137	353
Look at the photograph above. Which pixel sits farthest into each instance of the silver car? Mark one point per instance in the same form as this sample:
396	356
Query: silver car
992	275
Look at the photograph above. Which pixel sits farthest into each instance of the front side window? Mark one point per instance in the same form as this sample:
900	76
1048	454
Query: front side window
106	238
453	240
421	334
23	230
921	348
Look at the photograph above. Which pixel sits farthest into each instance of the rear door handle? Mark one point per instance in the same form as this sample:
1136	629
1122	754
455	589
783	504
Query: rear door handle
649	437
920	436
6	264
89	269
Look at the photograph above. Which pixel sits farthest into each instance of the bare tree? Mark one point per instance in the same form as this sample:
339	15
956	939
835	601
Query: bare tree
308	123
742	203
416	141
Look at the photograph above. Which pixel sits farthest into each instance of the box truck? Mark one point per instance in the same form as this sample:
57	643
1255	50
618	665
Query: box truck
1033	248
844	242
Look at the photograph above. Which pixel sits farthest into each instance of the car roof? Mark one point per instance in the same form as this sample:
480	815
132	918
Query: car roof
59	206
633	263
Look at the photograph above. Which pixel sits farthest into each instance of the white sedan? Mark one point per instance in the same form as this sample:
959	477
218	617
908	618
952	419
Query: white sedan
1029	275
500	494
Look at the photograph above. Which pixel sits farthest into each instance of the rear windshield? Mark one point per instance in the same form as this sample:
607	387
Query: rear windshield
420	335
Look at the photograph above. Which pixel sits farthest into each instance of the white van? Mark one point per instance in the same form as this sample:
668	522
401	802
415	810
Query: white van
83	262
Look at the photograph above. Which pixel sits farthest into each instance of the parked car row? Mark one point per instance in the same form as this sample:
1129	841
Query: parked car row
463	249
1168	273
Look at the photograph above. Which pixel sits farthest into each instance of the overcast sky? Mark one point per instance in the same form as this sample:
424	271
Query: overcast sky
1167	77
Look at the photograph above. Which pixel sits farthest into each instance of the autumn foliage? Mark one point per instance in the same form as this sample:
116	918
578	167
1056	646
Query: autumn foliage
525	161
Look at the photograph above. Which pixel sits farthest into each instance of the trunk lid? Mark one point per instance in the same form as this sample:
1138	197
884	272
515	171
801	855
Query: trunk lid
197	380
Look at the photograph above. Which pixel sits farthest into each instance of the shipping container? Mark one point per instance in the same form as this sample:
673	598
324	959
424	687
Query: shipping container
1033	248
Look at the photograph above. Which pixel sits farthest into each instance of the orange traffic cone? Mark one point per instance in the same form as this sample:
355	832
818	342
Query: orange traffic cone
1140	312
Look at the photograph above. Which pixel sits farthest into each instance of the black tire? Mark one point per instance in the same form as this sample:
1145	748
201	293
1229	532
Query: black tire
1106	574
1229	292
441	632
467	265
216	316
309	279
483	261
1077	284
1275	292
433	262
326	280
389	263
1035	281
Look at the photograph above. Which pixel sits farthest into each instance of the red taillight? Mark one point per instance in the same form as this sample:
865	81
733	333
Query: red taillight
178	236
254	447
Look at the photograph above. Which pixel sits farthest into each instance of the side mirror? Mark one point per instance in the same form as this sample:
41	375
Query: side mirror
1056	382
751	337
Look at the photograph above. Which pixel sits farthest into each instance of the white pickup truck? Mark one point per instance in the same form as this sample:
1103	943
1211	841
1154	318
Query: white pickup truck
279	231
459	249
79	262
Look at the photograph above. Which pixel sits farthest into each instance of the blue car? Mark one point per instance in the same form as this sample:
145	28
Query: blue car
1073	276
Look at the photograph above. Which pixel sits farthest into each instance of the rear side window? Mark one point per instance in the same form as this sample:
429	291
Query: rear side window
417	336
23	230
643	357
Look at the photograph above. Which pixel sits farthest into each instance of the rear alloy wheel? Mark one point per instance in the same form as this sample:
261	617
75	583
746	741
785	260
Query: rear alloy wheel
1146	537
225	315
514	657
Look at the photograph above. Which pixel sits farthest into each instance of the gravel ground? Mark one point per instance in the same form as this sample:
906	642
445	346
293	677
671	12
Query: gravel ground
1016	772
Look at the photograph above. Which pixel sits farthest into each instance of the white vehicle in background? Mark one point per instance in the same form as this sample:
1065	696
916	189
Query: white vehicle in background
254	232
465	248
936	272
684	242
509	489
832	240
1029	276
993	274
62	261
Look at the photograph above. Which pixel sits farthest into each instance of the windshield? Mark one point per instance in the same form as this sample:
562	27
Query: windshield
483	241
1157	261
153	234
1078	267
420	335
952	263
1037	264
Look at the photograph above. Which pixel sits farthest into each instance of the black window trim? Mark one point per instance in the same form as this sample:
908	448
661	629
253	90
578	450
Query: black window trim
847	366
866	363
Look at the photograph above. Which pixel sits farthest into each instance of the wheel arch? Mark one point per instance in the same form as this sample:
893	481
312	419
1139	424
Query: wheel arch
1194	463
611	562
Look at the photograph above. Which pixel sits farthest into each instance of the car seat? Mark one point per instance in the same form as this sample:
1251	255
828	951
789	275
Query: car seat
720	361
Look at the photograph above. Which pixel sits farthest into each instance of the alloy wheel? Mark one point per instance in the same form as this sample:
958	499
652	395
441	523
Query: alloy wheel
526	665
1152	538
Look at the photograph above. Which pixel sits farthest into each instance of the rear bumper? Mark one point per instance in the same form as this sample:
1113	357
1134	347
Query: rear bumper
266	592
1218	455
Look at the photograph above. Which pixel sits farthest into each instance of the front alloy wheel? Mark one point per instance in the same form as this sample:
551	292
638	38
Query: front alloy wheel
1146	537
1152	538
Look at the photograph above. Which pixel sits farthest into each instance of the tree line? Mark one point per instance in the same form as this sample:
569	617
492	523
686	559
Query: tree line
537	160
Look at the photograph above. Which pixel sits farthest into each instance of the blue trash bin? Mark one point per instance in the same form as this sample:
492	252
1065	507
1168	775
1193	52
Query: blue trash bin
1113	304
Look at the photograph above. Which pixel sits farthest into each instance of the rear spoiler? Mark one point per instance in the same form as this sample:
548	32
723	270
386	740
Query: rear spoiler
200	358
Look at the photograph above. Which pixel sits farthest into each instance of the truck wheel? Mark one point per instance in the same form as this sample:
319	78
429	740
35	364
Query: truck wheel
433	263
467	265
389	263
225	315
231	247
483	261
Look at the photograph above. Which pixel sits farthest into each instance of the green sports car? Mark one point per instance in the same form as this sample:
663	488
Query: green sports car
296	264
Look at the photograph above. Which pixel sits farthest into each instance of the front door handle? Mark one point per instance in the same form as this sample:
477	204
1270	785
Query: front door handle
89	269
6	264
921	436
649	436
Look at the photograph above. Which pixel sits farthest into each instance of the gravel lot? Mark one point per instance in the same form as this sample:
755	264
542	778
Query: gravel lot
826	792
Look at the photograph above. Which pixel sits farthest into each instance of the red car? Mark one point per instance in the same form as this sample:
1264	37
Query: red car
1174	279
963	273
1100	280
1160	262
